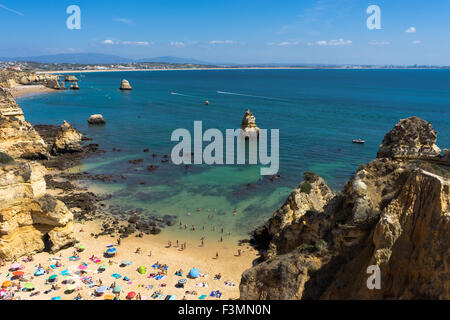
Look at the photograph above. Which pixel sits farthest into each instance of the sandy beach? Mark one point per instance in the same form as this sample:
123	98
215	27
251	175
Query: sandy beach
21	90
229	265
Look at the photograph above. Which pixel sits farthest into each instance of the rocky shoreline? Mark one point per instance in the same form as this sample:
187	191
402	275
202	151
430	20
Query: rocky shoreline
36	159
393	214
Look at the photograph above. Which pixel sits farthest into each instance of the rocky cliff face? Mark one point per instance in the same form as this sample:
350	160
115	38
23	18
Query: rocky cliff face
248	124
9	79
30	220
17	137
394	213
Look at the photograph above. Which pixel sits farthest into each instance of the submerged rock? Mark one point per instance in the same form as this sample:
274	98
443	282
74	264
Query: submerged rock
96	119
125	85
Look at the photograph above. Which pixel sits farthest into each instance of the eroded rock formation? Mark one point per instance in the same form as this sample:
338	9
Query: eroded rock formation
67	140
248	124
30	220
96	119
17	137
393	213
125	85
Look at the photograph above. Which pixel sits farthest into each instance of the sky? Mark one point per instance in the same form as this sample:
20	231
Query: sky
232	31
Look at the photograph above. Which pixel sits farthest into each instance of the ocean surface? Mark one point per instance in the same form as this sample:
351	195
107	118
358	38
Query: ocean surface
318	114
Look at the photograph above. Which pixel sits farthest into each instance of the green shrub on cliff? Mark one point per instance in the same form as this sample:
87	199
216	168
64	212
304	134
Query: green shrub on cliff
5	158
305	187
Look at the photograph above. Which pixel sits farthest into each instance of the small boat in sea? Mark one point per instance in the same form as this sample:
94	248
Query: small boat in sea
207	103
360	141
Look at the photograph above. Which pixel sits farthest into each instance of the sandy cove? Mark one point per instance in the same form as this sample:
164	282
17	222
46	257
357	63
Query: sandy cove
229	265
21	90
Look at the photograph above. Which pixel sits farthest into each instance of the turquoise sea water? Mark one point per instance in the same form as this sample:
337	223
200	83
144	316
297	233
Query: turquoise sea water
318	113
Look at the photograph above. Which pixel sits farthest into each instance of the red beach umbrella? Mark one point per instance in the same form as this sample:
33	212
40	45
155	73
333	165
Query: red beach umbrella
131	295
18	273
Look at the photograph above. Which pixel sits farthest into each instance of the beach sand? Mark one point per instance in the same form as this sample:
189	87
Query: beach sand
229	265
21	90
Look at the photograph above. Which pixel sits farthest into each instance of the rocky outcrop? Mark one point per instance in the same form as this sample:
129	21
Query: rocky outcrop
248	124
125	85
30	220
410	138
394	213
9	79
74	86
70	78
310	196
67	140
17	136
96	119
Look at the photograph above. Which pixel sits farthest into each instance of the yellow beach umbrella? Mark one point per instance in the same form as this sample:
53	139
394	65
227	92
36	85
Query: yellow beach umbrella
6	284
109	297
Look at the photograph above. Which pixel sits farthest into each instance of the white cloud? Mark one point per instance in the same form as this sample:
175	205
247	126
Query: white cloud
339	42
177	44
222	42
379	43
124	20
416	42
332	43
108	42
136	43
411	30
125	43
284	44
11	10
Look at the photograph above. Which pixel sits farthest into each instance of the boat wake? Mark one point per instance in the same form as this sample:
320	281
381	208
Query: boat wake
250	95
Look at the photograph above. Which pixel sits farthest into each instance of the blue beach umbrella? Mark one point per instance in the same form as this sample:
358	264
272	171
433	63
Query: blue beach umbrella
102	289
111	250
194	273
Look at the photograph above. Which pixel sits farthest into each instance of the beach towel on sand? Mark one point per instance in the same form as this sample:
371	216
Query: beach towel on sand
203	296
116	275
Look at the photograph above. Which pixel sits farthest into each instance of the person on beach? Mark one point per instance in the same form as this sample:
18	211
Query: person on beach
169	244
217	255
239	252
150	254
138	250
177	244
185	246
118	241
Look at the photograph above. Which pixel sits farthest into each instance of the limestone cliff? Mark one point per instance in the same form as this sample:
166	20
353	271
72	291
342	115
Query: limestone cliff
30	220
393	213
67	140
17	137
9	79
248	124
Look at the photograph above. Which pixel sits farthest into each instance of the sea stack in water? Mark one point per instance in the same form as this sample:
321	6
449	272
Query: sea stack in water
96	119
67	140
248	124
125	85
74	86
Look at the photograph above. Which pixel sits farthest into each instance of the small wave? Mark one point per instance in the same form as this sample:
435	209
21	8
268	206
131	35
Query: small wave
250	95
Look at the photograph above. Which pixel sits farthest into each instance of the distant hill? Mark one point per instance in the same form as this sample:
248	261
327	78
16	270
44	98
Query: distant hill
169	59
99	58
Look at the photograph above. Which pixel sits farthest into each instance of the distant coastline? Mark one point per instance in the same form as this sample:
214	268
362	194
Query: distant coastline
235	68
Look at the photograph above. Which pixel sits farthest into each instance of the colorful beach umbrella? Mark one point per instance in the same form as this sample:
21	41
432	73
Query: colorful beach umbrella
28	286
81	247
194	273
142	270
18	273
6	284
102	289
117	289
15	266
111	250
82	267
131	295
71	287
182	281
109	297
53	277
